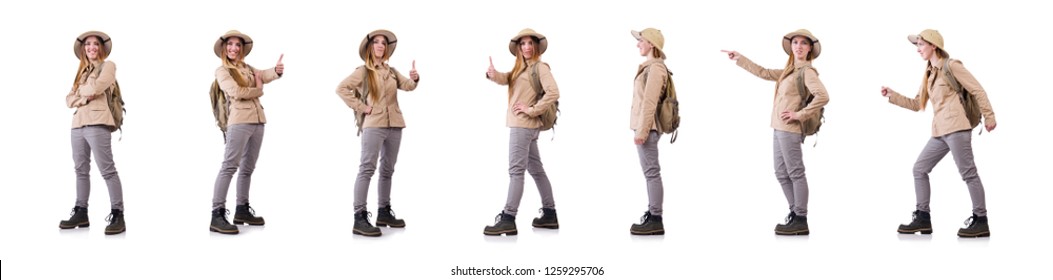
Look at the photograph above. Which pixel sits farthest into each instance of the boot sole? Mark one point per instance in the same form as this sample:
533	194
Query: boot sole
802	232
974	235
380	224
653	232
242	222
359	232
548	226
507	232
112	232
213	229
84	225
922	231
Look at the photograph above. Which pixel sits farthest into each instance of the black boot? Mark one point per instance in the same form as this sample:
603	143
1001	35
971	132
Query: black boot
977	227
78	218
649	225
386	217
503	224
116	219
243	214
920	222
547	220
362	225
797	225
220	224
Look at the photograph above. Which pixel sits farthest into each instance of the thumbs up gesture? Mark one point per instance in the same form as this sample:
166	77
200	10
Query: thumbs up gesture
490	72
413	72
280	67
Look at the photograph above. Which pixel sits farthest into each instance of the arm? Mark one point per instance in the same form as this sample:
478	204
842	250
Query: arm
231	87
970	84
757	70
906	102
102	82
816	88
269	75
347	88
548	83
656	77
500	78
73	100
405	84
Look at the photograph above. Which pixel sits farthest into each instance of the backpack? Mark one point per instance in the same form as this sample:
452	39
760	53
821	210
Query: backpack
667	115
116	103
809	126
548	118
972	108
363	93
220	103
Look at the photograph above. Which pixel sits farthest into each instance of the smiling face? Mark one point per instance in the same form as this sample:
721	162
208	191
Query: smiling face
380	45
233	48
644	46
527	46
92	47
800	46
925	49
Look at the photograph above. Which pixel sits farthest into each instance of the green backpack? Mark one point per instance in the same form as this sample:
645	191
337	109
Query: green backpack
116	103
972	108
363	93
548	118
809	126
667	115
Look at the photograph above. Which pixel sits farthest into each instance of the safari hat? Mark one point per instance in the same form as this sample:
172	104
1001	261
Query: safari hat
78	45
246	43
541	46
363	48
816	47
929	35
654	36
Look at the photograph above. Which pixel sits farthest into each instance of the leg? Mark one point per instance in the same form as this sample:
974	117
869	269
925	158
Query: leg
237	138
248	162
933	152
790	146
389	154
537	171
648	154
98	137
961	147
81	165
782	173
372	139
518	156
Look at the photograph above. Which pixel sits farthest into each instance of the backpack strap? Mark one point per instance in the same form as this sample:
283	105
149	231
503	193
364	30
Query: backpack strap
539	90
953	83
665	93
363	96
806	97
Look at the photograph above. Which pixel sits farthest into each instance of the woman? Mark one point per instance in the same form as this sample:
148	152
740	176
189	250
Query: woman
243	86
950	131
93	122
523	118
786	118
377	83
647	89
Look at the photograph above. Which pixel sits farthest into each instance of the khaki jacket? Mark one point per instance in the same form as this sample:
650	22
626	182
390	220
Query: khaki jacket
245	104
523	92
100	78
386	111
645	96
786	96
948	112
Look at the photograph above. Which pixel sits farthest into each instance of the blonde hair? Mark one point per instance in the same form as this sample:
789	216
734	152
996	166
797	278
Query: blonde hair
789	69
923	98
227	63
371	68
520	65
84	62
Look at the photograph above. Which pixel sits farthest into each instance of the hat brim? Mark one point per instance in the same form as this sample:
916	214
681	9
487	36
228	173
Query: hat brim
78	44
246	44
542	44
915	38
817	48
639	36
363	48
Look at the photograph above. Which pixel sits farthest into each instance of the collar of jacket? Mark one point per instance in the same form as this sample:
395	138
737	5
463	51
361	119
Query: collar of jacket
938	66
651	61
797	64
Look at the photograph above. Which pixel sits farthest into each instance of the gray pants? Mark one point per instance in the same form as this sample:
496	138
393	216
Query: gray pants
383	143
789	170
86	141
652	171
523	155
242	150
960	145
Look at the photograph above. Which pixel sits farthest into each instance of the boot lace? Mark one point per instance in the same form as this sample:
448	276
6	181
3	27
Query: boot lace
969	221
646	216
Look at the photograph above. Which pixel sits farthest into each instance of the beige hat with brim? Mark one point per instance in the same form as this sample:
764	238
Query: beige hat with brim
929	35
363	48
246	43
542	43
78	45
816	47
654	36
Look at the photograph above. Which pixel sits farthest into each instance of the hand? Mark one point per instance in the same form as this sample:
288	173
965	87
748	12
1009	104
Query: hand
990	126
280	67
491	72
885	91
519	108
259	79
789	116
733	55
639	141
90	97
413	72
369	110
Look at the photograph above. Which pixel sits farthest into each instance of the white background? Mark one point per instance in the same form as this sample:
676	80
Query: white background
721	202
